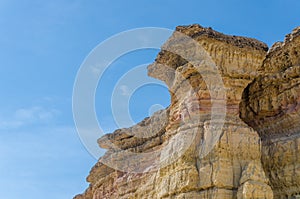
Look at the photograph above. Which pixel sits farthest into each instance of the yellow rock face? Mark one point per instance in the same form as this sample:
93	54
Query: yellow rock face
271	106
229	132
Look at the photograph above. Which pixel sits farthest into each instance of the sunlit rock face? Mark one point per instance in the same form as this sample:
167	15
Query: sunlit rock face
271	105
229	132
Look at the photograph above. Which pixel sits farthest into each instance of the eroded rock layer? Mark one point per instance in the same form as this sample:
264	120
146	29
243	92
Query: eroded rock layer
271	106
199	147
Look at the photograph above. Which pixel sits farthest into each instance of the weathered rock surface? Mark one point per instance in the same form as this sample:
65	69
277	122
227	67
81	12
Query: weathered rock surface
199	147
271	106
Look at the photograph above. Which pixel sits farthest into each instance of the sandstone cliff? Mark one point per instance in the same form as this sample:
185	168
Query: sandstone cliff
271	106
231	130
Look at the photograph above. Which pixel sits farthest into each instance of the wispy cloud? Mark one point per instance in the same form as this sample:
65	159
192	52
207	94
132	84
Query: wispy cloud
96	71
99	67
124	90
26	116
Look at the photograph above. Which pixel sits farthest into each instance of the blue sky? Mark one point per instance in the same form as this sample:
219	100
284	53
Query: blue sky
42	45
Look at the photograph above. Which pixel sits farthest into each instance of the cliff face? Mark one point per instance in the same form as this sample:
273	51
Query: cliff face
271	105
199	147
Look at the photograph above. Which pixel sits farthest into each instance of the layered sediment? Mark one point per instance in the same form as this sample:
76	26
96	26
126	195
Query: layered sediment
271	105
231	130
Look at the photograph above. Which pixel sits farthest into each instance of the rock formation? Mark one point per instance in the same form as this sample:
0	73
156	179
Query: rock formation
271	105
231	130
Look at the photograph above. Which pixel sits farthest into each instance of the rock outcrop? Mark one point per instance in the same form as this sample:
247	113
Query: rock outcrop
231	130
271	105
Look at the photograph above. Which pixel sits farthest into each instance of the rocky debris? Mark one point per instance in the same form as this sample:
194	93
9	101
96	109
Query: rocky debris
231	130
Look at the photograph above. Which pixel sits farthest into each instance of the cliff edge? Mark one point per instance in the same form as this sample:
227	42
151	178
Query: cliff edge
231	131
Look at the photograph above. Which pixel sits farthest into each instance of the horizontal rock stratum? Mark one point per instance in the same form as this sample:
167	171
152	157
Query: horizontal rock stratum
232	129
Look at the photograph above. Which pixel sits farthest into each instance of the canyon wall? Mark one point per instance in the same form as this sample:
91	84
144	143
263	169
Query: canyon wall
231	130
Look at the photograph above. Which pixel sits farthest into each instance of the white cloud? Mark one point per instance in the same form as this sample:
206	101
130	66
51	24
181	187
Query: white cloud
27	116
124	90
95	70
99	67
10	124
